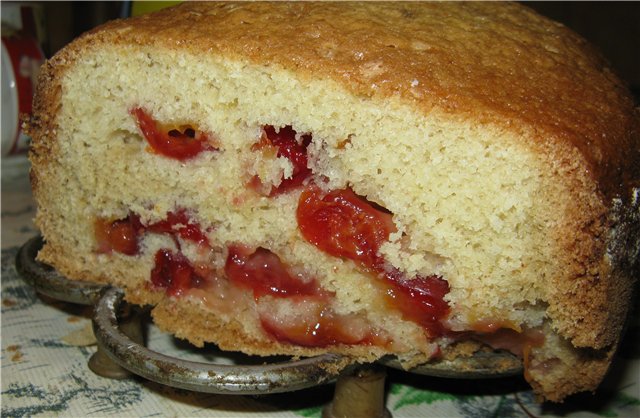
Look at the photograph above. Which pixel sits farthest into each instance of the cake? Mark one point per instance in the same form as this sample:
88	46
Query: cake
366	179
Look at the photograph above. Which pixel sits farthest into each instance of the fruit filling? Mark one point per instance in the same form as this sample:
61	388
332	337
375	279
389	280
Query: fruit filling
293	308
309	322
177	142
123	235
343	224
285	144
173	272
346	225
419	299
179	224
263	273
120	235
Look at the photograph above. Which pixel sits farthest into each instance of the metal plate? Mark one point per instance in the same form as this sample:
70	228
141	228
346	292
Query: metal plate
480	365
47	281
205	377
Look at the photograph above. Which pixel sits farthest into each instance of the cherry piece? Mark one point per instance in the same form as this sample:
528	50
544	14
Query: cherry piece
264	273
343	224
419	299
172	143
316	326
173	272
346	225
120	235
179	223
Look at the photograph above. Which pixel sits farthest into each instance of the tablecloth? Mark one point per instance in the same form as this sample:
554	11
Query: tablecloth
46	345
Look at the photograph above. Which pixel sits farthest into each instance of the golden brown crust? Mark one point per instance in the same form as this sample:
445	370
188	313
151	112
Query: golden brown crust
557	372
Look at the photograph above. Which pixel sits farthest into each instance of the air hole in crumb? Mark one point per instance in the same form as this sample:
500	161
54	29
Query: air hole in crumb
377	206
190	132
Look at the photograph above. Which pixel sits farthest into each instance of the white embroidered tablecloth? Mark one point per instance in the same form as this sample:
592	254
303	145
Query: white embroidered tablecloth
46	345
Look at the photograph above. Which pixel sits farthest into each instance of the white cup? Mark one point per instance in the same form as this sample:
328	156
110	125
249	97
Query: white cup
21	61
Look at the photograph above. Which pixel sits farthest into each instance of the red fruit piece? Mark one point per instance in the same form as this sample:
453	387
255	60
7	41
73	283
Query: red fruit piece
120	235
284	140
420	299
343	224
179	144
307	322
173	272
179	223
264	273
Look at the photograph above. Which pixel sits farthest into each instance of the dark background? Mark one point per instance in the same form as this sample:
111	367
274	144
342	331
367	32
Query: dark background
613	27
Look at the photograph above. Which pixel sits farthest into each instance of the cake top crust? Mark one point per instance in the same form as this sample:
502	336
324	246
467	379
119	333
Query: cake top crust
498	63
